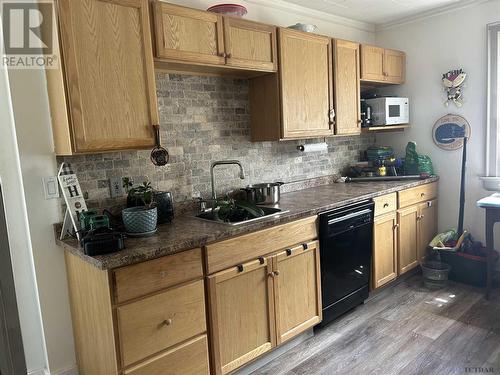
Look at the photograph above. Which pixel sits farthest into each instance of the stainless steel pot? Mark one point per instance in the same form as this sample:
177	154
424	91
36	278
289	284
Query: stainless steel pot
265	194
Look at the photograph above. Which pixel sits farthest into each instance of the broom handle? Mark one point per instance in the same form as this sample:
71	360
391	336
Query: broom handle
460	228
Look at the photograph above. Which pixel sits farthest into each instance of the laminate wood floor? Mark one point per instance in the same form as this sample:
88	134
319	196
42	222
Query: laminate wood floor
405	329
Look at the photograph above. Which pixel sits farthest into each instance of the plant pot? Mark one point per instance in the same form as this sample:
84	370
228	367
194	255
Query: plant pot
140	219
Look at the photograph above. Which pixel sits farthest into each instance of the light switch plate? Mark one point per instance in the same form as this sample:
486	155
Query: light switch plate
50	187
116	187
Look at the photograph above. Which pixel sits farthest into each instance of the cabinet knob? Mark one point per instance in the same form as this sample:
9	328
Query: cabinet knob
167	322
222	54
276	273
422	195
422	216
396	226
386	205
229	55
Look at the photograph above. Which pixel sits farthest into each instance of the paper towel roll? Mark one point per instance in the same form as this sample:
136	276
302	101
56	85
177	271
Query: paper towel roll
313	147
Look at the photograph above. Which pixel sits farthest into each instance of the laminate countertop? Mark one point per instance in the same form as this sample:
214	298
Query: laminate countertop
188	232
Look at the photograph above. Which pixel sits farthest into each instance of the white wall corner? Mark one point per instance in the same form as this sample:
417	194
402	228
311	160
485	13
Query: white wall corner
428	14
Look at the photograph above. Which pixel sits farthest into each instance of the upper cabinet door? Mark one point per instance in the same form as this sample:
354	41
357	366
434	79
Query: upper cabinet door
106	45
372	63
250	45
394	66
306	84
347	90
187	34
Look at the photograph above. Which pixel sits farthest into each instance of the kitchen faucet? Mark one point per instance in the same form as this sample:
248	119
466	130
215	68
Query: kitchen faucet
224	162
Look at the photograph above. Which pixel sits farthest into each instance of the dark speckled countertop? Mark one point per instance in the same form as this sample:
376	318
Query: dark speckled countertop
187	232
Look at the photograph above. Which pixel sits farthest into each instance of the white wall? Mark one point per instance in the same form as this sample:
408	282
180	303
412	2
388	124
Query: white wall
19	236
434	46
31	114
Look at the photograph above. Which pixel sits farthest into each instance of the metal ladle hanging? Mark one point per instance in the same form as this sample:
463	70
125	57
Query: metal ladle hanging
159	155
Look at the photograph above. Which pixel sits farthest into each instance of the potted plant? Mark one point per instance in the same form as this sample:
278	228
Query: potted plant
143	217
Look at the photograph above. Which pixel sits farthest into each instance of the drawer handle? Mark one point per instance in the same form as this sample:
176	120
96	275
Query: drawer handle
240	267
288	252
261	260
422	195
386	205
305	246
273	274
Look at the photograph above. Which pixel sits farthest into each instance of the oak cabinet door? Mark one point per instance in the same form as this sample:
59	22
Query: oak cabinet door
241	314
394	66
188	34
347	87
427	226
297	290
250	45
408	238
385	250
306	84
372	63
106	45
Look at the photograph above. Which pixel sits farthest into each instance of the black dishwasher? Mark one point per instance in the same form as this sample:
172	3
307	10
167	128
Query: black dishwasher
346	237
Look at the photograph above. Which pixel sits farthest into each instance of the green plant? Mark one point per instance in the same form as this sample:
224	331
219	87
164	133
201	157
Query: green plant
141	195
231	210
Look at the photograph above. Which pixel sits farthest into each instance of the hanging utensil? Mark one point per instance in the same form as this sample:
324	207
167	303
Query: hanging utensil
159	155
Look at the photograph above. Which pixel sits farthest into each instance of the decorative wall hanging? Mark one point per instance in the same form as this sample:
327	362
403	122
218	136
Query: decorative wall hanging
449	131
453	83
73	196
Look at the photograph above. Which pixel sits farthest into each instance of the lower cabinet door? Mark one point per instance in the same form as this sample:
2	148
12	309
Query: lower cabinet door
427	226
407	238
241	314
188	358
385	250
297	285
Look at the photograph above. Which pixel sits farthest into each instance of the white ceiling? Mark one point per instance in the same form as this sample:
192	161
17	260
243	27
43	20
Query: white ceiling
377	11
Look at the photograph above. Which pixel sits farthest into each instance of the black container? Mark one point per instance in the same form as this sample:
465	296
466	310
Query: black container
465	269
165	203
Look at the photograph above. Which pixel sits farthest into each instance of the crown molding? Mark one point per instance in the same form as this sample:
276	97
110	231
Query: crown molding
429	14
308	12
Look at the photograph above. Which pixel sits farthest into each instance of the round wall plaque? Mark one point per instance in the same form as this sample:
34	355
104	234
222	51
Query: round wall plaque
449	131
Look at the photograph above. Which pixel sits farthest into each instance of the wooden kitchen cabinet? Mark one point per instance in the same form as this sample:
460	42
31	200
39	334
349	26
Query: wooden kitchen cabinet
381	65
250	45
408	239
427	226
103	97
347	87
188	34
385	249
156	328
297	103
394	66
297	290
242	314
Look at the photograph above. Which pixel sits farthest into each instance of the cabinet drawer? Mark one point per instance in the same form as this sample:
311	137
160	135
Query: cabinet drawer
417	194
189	358
241	249
154	275
156	323
385	204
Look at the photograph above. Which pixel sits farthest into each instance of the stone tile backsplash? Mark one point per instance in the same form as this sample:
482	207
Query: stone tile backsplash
204	119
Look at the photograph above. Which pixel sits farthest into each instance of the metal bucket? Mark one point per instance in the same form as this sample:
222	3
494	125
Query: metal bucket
435	274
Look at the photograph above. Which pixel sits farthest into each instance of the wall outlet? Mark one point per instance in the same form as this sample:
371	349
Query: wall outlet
116	187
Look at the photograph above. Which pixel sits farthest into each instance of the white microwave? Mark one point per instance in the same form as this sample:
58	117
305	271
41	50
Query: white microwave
389	111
